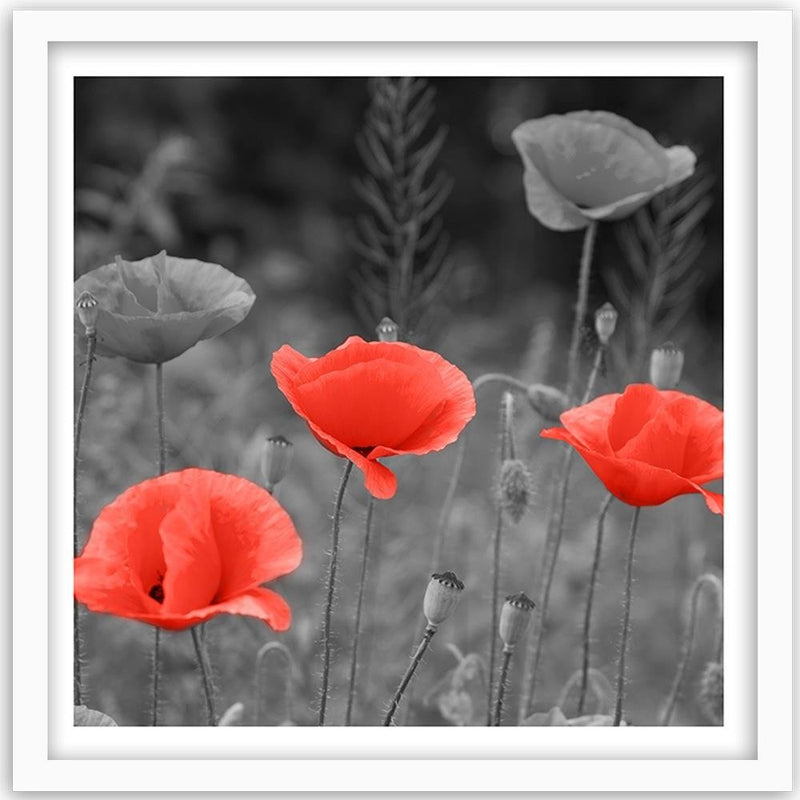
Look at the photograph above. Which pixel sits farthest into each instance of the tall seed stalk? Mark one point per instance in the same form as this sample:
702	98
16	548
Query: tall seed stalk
401	242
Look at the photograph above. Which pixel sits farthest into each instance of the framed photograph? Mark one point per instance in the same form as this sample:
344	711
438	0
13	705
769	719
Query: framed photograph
394	360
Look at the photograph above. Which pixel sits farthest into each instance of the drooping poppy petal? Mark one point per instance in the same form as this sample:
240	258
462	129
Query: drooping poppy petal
648	446
593	165
178	549
154	309
367	400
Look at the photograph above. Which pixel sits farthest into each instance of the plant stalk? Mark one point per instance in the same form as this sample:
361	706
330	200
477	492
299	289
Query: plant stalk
502	686
351	692
580	308
498	532
713	583
205	671
625	628
398	696
326	629
91	342
587	620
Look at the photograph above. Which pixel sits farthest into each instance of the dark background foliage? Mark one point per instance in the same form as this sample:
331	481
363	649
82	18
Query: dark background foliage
257	174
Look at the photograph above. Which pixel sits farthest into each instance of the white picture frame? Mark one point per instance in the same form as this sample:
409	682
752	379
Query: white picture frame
753	50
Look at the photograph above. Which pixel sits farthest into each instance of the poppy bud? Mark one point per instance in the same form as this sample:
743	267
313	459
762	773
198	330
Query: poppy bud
276	458
88	311
441	597
547	401
387	330
514	488
605	322
666	366
515	617
711	694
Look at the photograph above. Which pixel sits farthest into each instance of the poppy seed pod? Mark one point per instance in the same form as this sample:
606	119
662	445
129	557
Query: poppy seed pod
515	617
514	488
276	458
388	330
88	311
547	401
666	366
605	322
441	597
711	694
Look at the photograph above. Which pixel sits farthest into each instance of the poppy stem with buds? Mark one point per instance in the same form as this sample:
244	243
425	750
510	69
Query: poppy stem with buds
162	466
713	583
326	625
351	692
91	342
580	308
412	667
587	619
502	686
205	671
625	628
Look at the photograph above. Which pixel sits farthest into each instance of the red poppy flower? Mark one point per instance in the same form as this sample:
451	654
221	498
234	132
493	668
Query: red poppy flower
367	400
181	548
648	446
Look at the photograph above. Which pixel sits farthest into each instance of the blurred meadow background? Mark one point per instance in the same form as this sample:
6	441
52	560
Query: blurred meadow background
257	174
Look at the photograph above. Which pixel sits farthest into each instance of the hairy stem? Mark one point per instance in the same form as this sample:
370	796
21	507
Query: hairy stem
598	360
351	692
91	342
326	625
398	696
502	686
625	628
587	619
162	466
458	463
205	671
580	307
498	532
552	545
713	583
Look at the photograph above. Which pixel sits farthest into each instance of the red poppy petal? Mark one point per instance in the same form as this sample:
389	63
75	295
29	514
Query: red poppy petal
589	423
379	480
104	586
255	537
443	427
638	483
636	406
684	436
261	603
286	363
373	402
193	570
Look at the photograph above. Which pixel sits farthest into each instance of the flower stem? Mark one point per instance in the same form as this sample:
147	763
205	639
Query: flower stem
587	620
351	692
714	584
580	308
501	687
162	461
625	628
498	532
326	627
552	546
598	360
91	342
205	671
398	696
458	463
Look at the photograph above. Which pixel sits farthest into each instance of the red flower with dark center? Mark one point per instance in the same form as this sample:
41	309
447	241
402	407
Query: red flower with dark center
367	400
179	549
648	446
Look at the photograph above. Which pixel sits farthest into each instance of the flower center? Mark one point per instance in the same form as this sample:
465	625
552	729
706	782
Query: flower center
157	591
